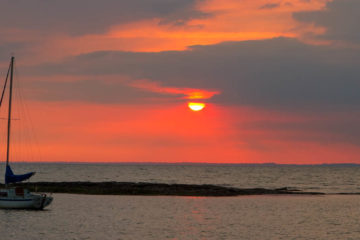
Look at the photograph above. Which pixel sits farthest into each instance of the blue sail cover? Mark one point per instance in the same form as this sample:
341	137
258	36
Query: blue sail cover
10	177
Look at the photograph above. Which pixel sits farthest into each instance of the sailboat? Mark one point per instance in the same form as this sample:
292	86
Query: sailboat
13	197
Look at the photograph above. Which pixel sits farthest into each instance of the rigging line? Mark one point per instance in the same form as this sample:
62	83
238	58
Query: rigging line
30	149
33	149
3	92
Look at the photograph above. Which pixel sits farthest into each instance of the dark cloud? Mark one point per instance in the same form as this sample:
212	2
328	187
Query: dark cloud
273	73
7	49
90	16
341	19
92	90
327	130
270	6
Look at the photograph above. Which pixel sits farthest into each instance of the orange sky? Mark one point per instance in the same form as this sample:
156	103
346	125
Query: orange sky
230	20
159	127
84	132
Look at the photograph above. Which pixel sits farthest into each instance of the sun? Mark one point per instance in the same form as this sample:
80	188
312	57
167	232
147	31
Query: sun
196	106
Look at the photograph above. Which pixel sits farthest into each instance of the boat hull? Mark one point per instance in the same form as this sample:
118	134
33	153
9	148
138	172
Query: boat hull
33	202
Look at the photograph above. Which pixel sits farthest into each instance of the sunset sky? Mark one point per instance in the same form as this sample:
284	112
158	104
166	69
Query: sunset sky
110	80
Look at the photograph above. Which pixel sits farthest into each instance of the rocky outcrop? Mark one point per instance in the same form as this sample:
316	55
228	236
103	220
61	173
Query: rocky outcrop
131	188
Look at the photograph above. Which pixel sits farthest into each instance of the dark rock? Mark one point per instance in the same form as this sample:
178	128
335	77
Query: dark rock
131	188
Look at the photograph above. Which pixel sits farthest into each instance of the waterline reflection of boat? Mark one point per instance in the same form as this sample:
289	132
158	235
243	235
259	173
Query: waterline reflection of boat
17	197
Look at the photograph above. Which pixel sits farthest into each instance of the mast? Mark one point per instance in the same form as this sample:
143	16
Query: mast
9	113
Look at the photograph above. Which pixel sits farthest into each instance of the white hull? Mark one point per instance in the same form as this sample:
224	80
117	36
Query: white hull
26	201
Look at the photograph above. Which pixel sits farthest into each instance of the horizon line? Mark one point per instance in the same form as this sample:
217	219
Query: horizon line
189	163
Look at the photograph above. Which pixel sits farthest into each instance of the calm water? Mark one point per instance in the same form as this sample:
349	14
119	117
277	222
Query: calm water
147	217
139	217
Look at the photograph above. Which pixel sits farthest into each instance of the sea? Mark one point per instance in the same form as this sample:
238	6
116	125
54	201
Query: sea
335	215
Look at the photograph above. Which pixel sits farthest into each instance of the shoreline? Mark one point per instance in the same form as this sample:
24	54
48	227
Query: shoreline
154	189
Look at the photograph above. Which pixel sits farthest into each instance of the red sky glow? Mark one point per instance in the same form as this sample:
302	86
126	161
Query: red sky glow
112	82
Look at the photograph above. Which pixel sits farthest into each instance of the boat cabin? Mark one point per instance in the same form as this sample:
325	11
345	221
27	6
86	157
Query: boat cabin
16	192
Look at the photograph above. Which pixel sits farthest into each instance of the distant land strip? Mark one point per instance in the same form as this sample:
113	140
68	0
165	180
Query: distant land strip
153	189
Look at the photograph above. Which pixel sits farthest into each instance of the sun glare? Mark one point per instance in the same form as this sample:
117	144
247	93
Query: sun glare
196	106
